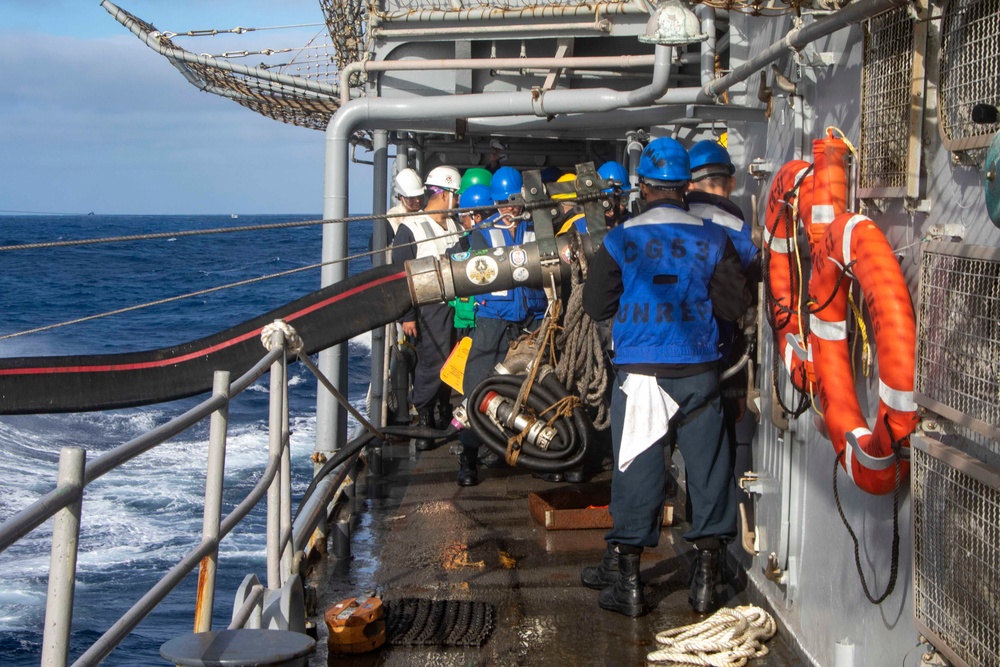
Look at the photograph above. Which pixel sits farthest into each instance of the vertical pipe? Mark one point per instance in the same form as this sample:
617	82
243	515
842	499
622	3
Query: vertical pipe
707	16
62	563
380	185
331	419
633	149
212	514
274	450
286	482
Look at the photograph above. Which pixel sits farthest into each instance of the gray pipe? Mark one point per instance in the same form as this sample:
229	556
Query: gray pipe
367	112
796	39
708	48
601	25
622	62
488	13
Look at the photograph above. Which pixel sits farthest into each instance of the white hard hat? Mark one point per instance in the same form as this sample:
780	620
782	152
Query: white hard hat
408	183
444	177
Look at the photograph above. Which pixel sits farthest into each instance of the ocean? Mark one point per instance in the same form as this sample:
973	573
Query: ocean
140	520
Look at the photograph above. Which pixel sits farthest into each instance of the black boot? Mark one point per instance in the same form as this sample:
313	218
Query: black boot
425	419
468	474
625	595
704	577
601	576
445	411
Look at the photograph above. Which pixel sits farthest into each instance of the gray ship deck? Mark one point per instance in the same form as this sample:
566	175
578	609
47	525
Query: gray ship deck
418	534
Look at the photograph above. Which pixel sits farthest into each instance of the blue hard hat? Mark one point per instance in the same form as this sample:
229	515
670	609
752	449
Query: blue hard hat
614	171
664	162
476	195
709	158
506	182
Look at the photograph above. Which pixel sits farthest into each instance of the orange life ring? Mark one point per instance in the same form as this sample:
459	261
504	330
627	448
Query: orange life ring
854	246
821	195
782	281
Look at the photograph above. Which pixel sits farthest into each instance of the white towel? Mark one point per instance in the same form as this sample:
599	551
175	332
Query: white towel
648	410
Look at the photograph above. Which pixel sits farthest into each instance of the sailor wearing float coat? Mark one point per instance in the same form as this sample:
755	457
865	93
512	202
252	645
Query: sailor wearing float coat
664	276
430	326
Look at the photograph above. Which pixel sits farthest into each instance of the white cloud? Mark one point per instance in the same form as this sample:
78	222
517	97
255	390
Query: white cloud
110	126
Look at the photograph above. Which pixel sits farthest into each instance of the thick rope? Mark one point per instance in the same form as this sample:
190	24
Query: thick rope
581	368
727	638
293	342
547	332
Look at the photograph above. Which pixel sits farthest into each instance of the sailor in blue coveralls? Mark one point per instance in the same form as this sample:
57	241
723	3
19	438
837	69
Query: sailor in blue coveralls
665	276
712	183
500	316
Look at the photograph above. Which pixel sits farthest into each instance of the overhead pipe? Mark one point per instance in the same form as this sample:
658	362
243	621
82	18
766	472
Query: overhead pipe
599	25
331	424
799	38
585	62
488	13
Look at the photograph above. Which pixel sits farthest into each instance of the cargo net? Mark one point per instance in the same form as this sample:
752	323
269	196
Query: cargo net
958	340
970	40
956	559
422	622
885	102
296	85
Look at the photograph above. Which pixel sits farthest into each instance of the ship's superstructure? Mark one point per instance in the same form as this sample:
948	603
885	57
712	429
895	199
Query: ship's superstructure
854	573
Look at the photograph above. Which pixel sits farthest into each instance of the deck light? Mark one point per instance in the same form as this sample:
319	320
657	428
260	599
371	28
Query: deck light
672	24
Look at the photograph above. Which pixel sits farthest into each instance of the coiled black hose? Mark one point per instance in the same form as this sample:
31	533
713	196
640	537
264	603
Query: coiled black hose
567	449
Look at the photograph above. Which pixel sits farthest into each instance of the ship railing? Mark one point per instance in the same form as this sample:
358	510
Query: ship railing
287	542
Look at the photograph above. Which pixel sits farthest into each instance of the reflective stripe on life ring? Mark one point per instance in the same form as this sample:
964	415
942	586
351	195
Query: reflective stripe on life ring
869	458
783	300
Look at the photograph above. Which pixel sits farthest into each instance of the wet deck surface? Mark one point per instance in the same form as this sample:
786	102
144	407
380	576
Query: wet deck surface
418	534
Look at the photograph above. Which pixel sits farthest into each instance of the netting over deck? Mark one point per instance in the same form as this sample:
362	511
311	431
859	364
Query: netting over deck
302	91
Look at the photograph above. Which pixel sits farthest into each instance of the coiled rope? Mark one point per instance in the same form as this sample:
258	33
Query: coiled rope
728	638
581	367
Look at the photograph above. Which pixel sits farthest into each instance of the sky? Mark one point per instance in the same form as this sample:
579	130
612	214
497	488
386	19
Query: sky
91	119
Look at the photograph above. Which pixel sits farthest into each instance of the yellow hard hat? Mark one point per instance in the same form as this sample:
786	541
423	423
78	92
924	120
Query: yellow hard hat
565	178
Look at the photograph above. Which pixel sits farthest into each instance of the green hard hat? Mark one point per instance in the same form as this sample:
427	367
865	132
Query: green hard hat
474	176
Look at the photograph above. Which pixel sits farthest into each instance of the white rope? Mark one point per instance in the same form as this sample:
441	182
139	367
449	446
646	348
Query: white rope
292	341
727	638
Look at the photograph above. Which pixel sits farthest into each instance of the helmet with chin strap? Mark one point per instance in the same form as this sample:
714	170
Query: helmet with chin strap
613	171
444	177
709	158
476	195
664	164
506	182
474	176
409	183
566	178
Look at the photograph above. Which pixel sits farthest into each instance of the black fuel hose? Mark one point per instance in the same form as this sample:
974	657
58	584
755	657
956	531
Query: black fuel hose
358	443
332	315
567	449
424	432
347	451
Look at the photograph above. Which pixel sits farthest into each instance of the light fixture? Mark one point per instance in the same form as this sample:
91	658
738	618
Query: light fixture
672	24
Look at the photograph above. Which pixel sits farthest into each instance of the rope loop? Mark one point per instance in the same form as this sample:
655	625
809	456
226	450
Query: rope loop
293	343
894	556
728	638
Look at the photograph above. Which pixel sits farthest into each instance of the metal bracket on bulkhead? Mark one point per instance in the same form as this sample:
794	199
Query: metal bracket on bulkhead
588	188
541	216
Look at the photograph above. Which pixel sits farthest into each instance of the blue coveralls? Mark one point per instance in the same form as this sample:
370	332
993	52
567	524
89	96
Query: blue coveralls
664	276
